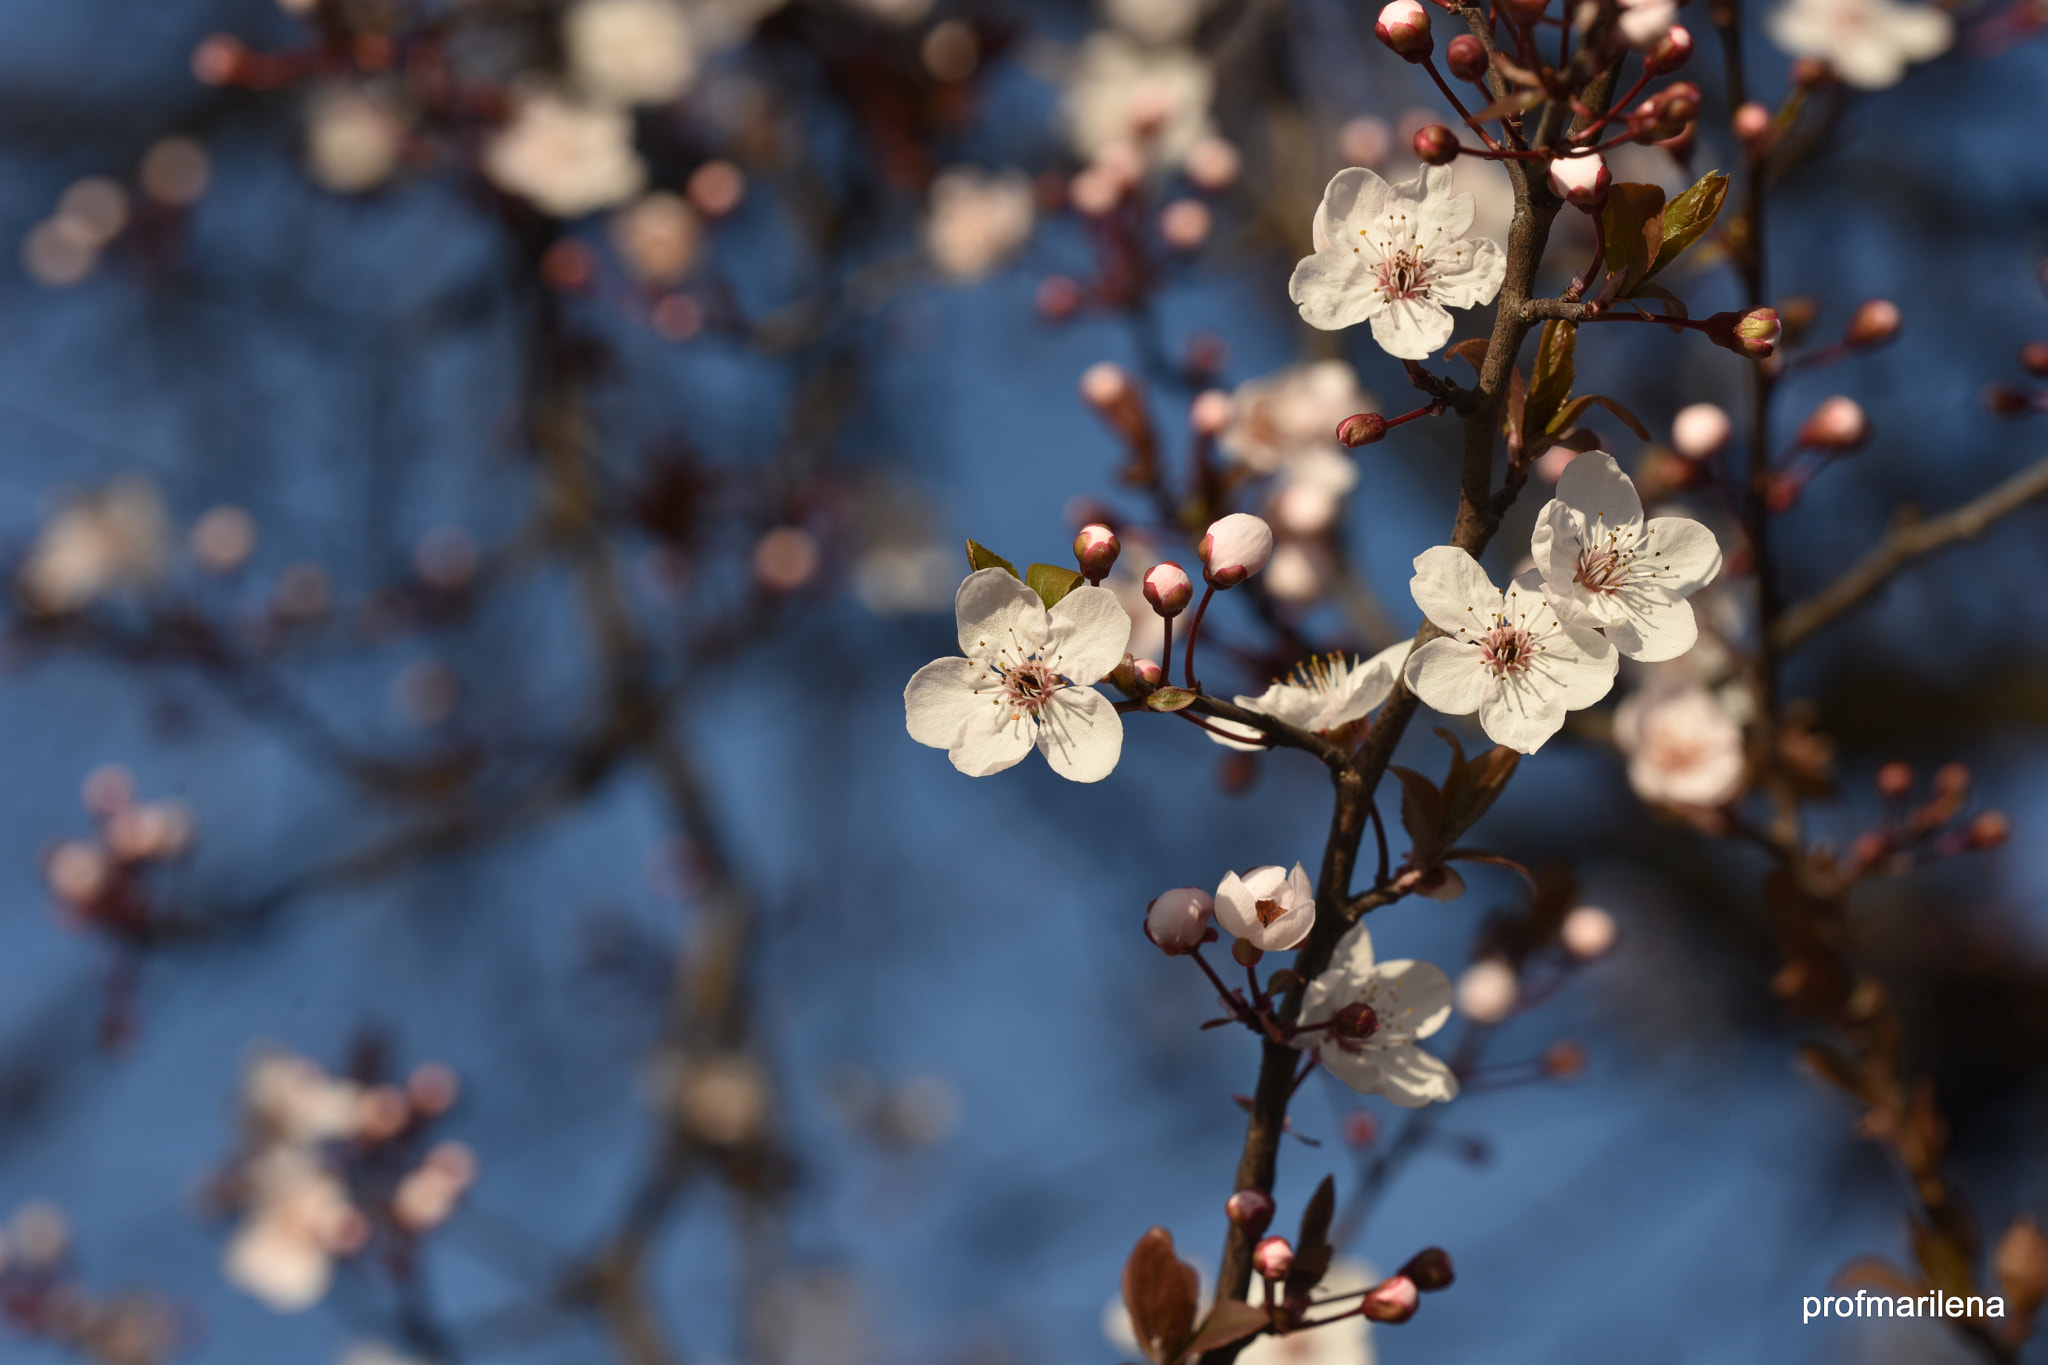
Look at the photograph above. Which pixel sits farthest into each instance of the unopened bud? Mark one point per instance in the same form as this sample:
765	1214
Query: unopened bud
1581	181
2003	401
1096	550
1952	780
1210	412
1251	1210
1404	26
1440	883
1148	672
1753	332
1837	424
1177	921
1436	145
1752	125
1431	1270
1361	429
1185	224
1234	548
1058	298
1467	58
1168	588
1357	1021
1273	1258
1245	953
1392	1300
1894	780
1667	114
1588	932
1361	1129
1672	51
1870	848
1874	322
1487	991
1988	830
2034	359
1700	430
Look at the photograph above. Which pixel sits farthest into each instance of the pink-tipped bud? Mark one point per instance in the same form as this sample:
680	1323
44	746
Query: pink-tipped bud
1436	145
1096	549
1234	548
1894	781
1581	181
1361	429
1672	51
1667	114
1752	125
1988	831
1588	932
1700	430
1168	588
1148	672
1753	332
1874	322
1467	58
1177	921
2034	359
1105	386
1404	26
1431	1270
1273	1258
1185	224
1392	1300
1210	412
1838	424
1251	1210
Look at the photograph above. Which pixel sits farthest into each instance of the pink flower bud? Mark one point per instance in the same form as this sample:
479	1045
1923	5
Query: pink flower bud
2034	359
1404	26
1874	322
1273	1258
1431	1270
1178	920
1581	181
1436	145
1168	588
1838	424
1894	781
1105	385
1058	298
1361	429
1148	671
1210	412
1753	333
1587	932
1467	56
1667	114
1700	430
1752	125
1672	51
1096	550
1392	1300
1212	164
1251	1210
1234	548
1185	224
1988	831
1487	991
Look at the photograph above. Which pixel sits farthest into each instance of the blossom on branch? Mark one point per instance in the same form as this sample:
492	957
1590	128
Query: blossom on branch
1322	695
1868	43
1506	654
1683	747
565	157
1397	256
1025	681
1604	567
1364	1018
1268	907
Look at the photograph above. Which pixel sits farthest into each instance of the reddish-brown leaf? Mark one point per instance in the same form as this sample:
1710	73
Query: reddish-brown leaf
1160	1293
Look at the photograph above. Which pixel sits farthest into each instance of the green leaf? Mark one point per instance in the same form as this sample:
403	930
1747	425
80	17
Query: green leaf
1633	222
1687	218
1577	409
981	557
1050	582
1170	699
1552	382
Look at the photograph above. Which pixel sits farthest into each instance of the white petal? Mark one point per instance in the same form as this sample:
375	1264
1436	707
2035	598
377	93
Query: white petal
1594	484
1335	289
1088	635
1410	329
1359	1070
1449	677
941	698
1453	590
1289	930
995	737
1580	666
1234	912
1080	733
1235	736
1300	885
1554	546
1285	701
1412	999
1352	199
1521	713
1683	554
1657	629
994	610
1469	273
1412	1078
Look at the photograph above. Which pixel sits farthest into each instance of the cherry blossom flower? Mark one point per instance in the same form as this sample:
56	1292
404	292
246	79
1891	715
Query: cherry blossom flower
1605	567
1025	681
1373	1014
1505	655
300	1219
1321	695
1155	21
978	220
630	51
1488	991
1398	256
110	538
1290	414
1868	43
1177	919
568	158
353	140
1269	907
1123	94
1683	748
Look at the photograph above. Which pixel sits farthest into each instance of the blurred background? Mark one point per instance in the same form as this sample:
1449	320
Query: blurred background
475	476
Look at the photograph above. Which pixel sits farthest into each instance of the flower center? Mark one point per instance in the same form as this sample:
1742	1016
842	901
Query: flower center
1355	1023
1268	911
1404	274
1028	685
1603	570
1508	650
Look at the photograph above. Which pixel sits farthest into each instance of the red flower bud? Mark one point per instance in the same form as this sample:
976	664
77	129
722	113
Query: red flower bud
1361	429
1251	1210
1468	59
1581	181
1672	51
1096	549
1356	1021
1752	125
1436	145
1667	114
1393	1300
1874	322
1404	26
1168	588
1273	1258
1430	1268
1988	830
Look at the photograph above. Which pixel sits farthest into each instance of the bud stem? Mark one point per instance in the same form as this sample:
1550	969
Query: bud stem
1619	107
1194	629
1429	65
1585	282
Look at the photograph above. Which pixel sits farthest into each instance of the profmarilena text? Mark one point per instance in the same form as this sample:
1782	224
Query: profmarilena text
1868	1305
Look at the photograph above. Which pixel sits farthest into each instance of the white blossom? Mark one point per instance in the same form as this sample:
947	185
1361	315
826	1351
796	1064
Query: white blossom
1026	680
1292	414
110	538
1868	43
978	220
567	157
1155	21
1683	747
1121	93
1398	256
1320	695
1504	654
1372	1049
299	1218
1270	908
1604	567
353	141
630	51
